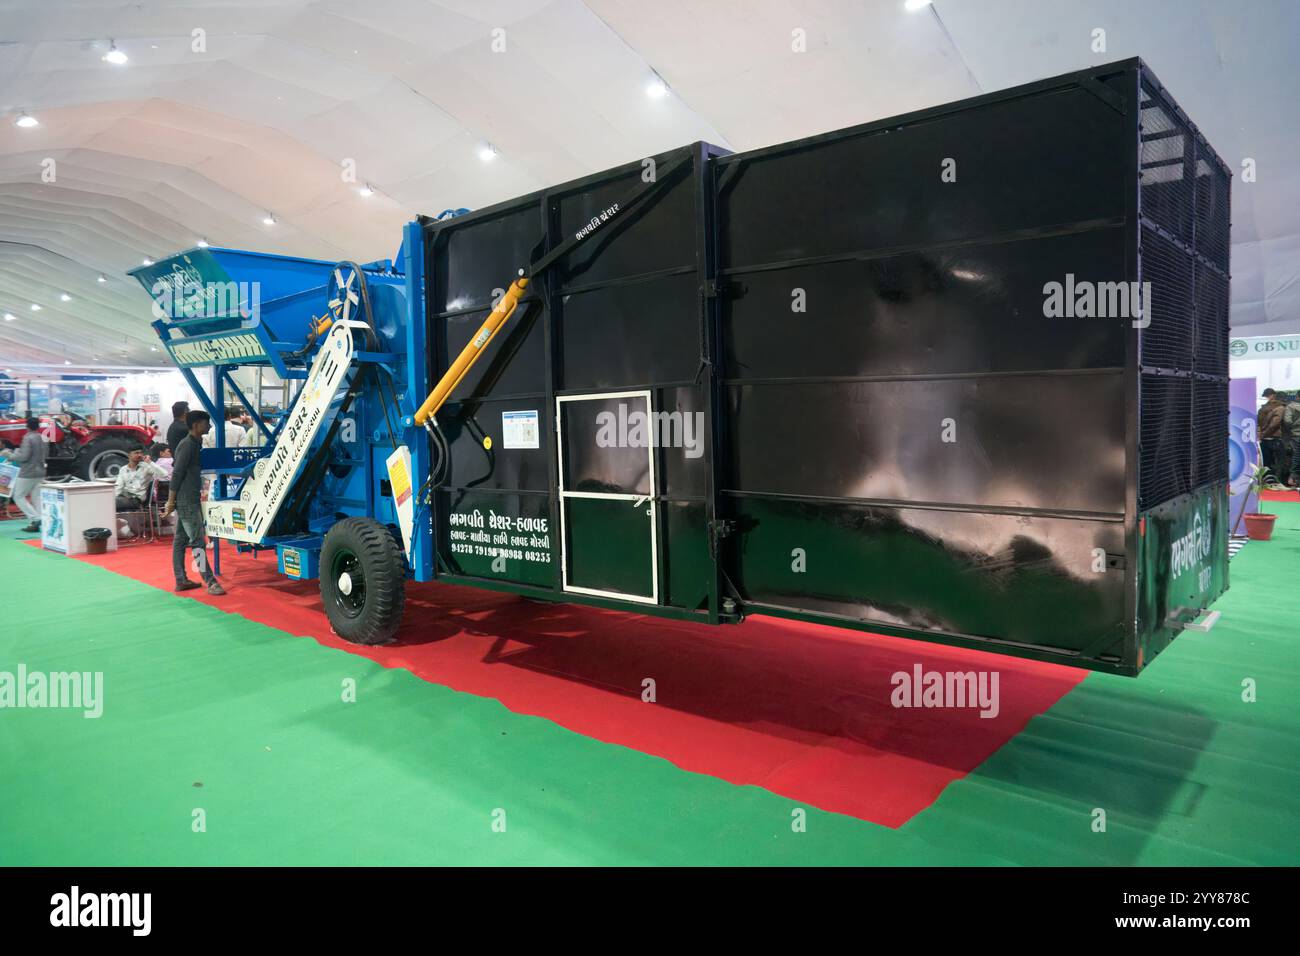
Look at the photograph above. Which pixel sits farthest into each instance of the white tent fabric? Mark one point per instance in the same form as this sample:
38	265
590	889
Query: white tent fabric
182	143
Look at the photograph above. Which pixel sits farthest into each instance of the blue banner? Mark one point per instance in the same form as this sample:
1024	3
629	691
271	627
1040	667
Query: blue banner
1243	446
228	459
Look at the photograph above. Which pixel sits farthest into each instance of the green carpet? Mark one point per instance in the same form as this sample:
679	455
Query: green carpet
208	710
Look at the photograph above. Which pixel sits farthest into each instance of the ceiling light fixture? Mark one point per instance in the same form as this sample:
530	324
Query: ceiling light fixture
366	191
26	121
102	278
202	243
147	261
67	362
65	297
35	307
487	153
269	219
914	5
656	89
10	317
114	55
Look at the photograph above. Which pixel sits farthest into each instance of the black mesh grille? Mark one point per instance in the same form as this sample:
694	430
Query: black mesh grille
1167	160
1213	187
1165	464
1211	355
1209	432
1167	339
1184	199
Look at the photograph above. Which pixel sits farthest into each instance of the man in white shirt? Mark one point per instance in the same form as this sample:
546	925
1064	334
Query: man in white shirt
253	437
234	427
134	479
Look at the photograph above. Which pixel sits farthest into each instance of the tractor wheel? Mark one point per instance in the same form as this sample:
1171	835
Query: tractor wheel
102	458
362	581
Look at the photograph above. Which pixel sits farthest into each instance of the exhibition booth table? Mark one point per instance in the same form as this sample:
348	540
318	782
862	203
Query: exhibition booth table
69	508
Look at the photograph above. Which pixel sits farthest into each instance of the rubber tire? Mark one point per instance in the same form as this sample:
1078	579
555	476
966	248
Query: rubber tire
96	447
384	569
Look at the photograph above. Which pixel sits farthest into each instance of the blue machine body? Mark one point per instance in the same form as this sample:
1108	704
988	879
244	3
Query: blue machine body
299	558
262	314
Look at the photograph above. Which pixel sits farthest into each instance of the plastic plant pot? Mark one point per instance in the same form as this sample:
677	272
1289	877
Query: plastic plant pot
1260	526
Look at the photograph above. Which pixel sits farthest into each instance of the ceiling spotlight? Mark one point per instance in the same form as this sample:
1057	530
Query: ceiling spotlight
102	278
147	261
10	317
35	307
202	243
914	5
366	191
153	348
487	153
114	55
26	122
67	362
65	297
656	89
269	219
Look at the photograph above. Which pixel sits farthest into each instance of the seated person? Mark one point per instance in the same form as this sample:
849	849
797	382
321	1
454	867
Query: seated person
134	479
162	457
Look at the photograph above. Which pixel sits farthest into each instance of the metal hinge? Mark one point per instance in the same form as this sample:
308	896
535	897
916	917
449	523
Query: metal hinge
719	528
723	288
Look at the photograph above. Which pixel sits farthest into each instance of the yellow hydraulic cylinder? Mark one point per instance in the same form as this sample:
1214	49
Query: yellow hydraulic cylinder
500	313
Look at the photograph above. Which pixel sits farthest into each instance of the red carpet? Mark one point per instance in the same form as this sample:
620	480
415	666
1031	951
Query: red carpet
802	710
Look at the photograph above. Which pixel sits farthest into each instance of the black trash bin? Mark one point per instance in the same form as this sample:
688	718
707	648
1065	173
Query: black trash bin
97	540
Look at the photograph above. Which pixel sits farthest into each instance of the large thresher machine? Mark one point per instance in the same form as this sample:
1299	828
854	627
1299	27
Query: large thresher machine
820	380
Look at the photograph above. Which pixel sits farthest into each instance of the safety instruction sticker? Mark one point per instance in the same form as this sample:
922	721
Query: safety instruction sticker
400	479
519	430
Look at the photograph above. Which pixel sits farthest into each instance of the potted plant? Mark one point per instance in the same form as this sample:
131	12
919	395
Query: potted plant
1259	526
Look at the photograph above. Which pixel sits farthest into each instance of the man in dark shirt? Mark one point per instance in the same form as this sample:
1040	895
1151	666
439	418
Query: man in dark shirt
30	456
1268	428
177	430
183	497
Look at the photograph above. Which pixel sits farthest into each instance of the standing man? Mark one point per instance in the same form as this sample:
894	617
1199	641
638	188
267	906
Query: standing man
234	429
183	498
1291	431
177	430
30	457
1268	426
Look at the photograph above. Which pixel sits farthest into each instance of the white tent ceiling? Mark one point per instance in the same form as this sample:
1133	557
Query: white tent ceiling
180	144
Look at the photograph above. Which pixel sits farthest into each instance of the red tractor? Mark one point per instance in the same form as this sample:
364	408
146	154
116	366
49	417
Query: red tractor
87	451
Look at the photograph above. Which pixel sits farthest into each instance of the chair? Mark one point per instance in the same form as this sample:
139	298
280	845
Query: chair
148	515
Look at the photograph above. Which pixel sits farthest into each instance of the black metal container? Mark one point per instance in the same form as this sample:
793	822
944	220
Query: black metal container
880	393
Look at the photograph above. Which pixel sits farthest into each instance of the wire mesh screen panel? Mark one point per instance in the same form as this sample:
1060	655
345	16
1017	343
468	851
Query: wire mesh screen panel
1184	207
1167	340
1211	355
1167	164
1213	191
1165	464
1209	432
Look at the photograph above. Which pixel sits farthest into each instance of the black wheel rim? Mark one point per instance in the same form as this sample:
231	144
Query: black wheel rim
353	602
